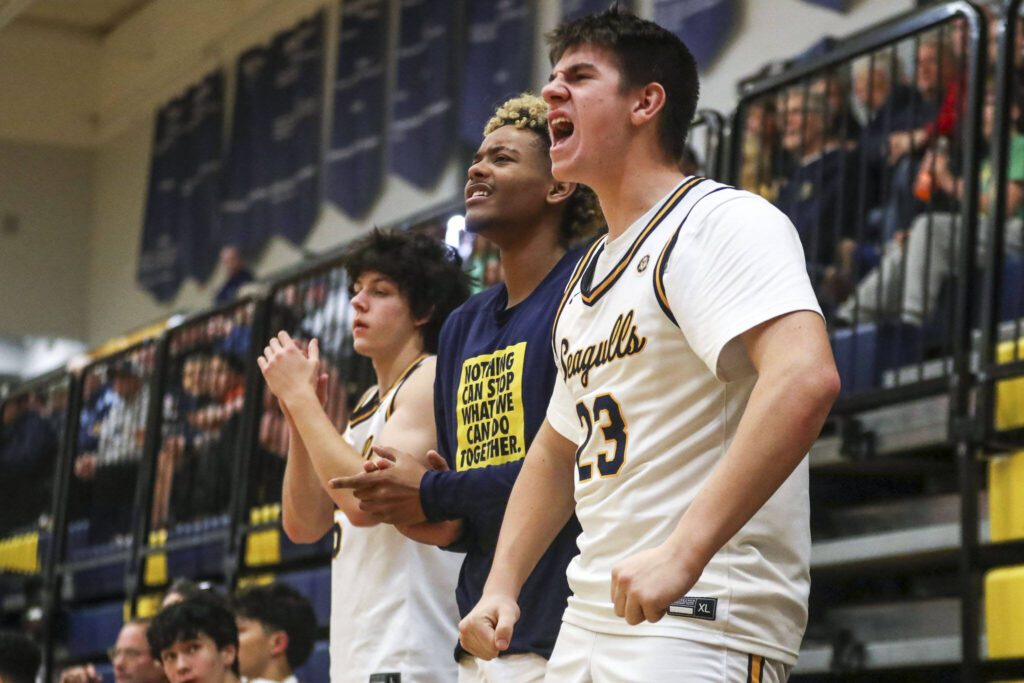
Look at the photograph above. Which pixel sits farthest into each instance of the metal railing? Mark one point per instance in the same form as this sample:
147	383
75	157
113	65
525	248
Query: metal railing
849	188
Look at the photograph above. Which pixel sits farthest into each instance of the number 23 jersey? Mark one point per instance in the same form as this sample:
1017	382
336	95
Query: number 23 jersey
652	382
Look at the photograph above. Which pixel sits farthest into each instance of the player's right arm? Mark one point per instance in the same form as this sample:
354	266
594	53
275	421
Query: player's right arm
291	376
307	509
541	504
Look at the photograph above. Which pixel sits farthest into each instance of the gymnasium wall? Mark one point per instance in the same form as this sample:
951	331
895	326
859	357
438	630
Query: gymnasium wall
105	95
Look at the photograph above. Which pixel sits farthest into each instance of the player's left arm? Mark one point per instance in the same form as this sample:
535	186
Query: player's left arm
797	383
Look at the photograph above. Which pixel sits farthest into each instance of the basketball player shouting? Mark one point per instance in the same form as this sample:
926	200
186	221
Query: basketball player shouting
694	374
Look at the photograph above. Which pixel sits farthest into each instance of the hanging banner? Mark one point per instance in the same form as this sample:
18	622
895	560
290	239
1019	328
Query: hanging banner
498	59
355	158
272	171
297	104
200	184
704	25
422	111
159	268
835	5
245	210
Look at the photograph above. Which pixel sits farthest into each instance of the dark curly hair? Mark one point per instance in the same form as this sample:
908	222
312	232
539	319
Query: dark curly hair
646	53
582	216
279	607
427	271
202	615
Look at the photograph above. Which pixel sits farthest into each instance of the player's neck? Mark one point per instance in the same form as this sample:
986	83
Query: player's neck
528	258
277	670
389	368
630	190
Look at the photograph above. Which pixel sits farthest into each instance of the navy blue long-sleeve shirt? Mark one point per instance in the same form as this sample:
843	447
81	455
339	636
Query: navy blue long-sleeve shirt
494	378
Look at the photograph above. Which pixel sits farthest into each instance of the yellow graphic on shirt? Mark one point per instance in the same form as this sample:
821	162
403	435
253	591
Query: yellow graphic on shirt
491	424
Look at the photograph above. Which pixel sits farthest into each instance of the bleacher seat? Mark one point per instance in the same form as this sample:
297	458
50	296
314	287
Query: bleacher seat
864	352
91	630
1011	305
104	579
315	584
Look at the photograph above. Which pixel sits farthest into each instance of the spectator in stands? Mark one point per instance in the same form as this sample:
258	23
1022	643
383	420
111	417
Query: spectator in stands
820	196
276	632
97	397
935	113
28	448
114	467
907	285
130	656
19	658
196	641
939	81
763	160
123	429
237	272
841	125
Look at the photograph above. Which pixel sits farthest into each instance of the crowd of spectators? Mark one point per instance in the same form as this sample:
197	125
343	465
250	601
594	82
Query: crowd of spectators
867	160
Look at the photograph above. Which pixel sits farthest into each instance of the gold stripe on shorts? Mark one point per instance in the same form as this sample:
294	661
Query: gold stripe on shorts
755	665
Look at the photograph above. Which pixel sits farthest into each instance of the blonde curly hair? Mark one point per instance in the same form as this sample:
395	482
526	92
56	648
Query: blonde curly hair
582	218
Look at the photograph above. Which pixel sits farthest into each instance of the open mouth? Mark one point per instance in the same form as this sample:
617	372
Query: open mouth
358	326
477	192
561	129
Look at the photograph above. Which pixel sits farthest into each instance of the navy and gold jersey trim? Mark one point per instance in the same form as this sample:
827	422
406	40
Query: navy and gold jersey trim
590	295
755	668
401	380
577	273
662	262
366	409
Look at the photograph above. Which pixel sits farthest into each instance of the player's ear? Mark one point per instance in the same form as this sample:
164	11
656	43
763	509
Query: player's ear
650	100
424	319
228	655
560	191
278	643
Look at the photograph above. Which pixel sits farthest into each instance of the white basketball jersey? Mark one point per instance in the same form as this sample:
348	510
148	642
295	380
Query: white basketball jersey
654	404
392	599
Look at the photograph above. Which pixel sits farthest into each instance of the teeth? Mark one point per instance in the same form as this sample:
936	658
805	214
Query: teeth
480	193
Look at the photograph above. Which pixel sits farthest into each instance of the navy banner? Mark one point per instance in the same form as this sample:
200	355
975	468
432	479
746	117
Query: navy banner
200	184
498	59
422	111
184	185
272	173
159	270
245	210
355	159
298	84
704	25
837	5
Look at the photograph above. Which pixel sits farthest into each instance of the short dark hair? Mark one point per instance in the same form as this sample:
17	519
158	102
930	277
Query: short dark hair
20	657
192	618
645	53
427	271
279	607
